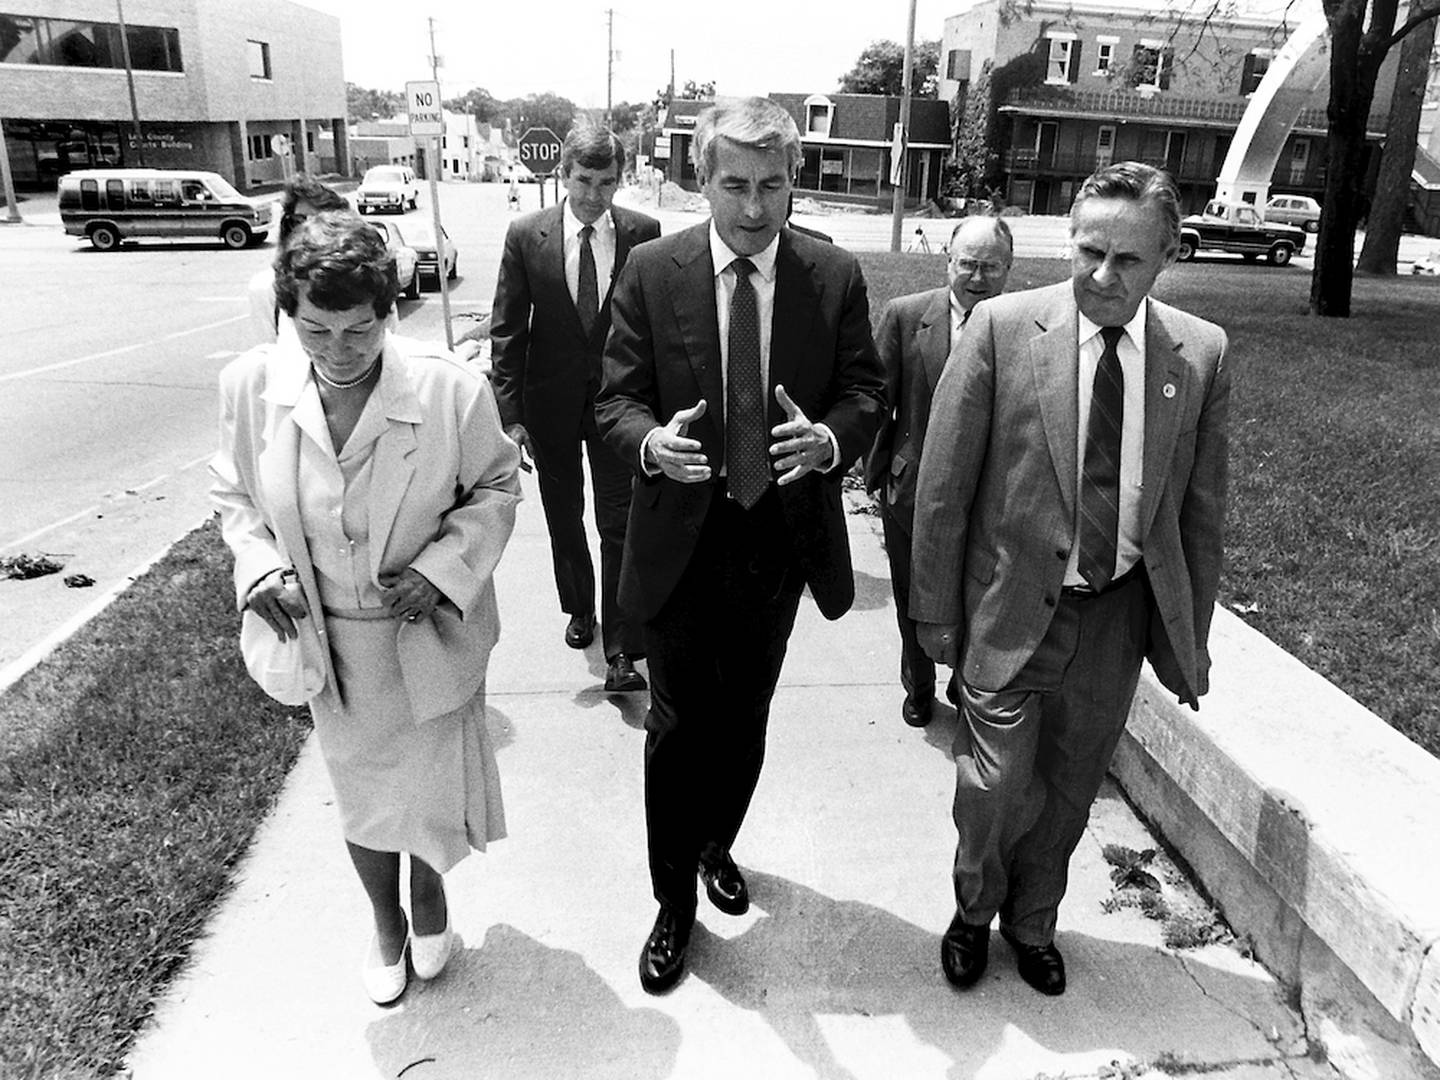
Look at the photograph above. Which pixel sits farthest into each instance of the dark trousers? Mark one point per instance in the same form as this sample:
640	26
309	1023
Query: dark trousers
562	493
917	671
1030	759
715	652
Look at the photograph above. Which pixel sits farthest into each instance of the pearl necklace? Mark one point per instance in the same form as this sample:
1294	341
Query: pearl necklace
336	385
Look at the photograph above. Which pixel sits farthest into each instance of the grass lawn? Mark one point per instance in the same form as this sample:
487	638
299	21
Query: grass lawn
1333	537
135	764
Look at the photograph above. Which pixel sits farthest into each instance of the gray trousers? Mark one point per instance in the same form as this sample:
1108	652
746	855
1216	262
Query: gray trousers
1030	758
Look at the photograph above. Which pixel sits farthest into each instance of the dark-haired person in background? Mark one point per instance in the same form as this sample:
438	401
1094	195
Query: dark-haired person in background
1068	524
303	198
549	320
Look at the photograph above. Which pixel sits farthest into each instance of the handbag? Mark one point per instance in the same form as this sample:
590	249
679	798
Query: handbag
291	671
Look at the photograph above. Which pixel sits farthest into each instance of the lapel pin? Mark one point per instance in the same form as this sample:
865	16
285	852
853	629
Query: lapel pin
1168	389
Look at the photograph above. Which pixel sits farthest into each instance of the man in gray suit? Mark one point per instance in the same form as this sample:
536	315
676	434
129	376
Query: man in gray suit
916	335
1067	525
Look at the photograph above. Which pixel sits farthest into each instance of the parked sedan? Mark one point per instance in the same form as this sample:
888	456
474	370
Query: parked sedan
1294	210
420	235
407	260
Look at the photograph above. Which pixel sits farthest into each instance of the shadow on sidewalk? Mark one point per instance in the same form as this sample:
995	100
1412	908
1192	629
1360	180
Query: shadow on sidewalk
516	1008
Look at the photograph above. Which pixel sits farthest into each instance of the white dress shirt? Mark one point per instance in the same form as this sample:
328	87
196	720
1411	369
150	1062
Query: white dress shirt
602	243
1131	350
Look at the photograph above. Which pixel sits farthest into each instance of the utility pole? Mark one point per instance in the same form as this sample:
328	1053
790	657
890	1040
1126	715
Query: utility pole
901	143
130	80
609	60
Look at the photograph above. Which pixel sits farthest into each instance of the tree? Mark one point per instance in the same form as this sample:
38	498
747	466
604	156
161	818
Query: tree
1356	53
971	138
362	104
541	110
880	69
478	103
1392	189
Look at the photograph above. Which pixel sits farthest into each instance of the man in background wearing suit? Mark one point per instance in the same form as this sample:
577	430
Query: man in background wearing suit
1067	525
916	335
550	318
740	382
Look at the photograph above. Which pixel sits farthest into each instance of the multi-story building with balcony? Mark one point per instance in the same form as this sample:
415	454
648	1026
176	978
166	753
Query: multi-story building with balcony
1064	87
212	84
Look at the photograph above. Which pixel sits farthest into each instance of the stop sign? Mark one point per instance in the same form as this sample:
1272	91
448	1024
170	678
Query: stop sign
540	150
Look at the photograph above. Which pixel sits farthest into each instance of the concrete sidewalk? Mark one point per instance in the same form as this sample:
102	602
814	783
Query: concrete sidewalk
834	973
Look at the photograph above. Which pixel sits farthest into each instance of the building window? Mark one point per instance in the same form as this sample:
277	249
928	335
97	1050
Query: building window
1105	54
258	53
1299	161
309	141
1105	146
1151	64
1257	63
957	65
819	112
259	147
1064	66
70	43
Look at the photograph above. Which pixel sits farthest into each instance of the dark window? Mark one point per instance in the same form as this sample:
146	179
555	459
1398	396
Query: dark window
115	194
309	141
166	193
258	53
71	43
260	147
1150	66
1256	65
89	195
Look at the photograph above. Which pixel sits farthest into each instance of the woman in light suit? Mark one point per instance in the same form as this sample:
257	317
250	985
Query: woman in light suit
378	473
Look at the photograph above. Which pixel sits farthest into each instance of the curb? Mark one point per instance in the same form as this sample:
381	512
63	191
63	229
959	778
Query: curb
1311	822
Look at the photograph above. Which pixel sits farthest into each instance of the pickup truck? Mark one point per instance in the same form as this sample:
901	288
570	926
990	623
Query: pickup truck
1238	227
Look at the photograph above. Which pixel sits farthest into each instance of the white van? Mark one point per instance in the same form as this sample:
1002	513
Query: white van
111	205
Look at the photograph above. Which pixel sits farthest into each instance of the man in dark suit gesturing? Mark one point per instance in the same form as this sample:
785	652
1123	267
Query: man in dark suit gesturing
917	333
740	382
550	318
1067	525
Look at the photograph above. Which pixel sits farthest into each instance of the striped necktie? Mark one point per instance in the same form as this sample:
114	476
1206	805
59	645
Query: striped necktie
747	464
1100	480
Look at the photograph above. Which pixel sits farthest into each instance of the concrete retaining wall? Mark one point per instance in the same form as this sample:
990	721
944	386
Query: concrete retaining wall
1316	828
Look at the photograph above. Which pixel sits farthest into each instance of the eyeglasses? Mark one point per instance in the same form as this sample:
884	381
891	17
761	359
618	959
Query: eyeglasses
976	266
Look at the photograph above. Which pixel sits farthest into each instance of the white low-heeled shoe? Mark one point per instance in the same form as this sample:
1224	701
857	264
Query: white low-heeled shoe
429	953
384	983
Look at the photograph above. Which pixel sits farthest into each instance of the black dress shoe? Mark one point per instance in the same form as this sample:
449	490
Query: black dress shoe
620	674
662	961
1041	966
918	710
724	884
964	952
580	631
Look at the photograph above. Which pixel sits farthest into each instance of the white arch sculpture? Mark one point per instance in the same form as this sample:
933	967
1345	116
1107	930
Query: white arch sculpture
1298	70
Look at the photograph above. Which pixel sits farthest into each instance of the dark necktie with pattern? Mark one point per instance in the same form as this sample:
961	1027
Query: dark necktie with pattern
747	464
587	299
1100	480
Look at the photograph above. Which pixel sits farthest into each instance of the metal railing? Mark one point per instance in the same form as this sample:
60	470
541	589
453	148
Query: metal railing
1162	105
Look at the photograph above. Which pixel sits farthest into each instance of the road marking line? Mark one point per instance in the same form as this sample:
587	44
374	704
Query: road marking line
59	365
223	354
53	525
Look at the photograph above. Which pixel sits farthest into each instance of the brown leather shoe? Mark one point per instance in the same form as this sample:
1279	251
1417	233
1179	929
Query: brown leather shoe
1041	966
964	952
662	960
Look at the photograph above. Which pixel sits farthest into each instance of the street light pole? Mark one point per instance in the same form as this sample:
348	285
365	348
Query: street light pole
897	210
130	81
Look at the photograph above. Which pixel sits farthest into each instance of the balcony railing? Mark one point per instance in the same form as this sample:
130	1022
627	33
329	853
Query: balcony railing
1162	105
1076	163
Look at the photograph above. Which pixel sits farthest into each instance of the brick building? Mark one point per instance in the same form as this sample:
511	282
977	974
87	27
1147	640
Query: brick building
213	84
1061	88
846	140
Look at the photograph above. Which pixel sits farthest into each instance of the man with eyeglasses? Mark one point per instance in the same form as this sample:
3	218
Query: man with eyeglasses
917	333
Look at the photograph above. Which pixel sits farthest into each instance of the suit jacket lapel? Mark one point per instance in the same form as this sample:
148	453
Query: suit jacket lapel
393	465
796	301
551	232
1167	378
1055	360
933	337
692	298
